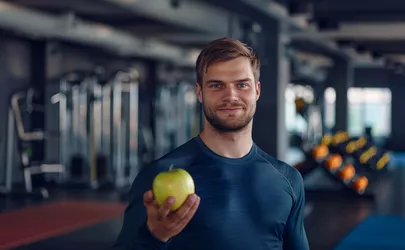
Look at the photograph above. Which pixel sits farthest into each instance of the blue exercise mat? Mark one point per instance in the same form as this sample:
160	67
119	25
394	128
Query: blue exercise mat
397	160
376	232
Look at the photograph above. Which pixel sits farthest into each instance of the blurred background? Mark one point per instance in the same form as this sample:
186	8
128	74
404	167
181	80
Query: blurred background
91	91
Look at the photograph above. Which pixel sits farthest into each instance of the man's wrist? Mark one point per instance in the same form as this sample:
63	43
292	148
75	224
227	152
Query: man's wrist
148	236
153	233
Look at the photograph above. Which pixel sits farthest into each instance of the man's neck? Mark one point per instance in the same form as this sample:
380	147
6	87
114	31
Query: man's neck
231	145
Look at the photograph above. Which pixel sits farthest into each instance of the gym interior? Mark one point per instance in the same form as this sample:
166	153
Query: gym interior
94	90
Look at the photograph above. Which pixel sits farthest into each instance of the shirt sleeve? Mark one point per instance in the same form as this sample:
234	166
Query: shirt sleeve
295	237
134	234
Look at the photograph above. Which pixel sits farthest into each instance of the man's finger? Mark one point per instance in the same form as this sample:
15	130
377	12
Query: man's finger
186	219
166	208
185	208
148	198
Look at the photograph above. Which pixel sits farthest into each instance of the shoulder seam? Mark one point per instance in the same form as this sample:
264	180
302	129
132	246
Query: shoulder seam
285	178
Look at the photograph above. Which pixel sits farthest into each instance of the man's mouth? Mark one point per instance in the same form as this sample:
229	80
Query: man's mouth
231	108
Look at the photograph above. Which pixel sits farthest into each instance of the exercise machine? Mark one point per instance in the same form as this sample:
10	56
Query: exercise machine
18	137
79	102
121	126
177	116
98	119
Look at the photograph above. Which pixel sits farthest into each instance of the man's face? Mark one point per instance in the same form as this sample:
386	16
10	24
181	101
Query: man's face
229	94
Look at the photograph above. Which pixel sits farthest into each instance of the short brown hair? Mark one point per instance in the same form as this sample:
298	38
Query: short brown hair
222	50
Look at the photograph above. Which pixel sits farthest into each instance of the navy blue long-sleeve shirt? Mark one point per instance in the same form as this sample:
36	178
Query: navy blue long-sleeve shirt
254	202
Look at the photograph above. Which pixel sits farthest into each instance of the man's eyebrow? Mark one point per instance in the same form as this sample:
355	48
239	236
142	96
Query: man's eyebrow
237	81
244	80
214	81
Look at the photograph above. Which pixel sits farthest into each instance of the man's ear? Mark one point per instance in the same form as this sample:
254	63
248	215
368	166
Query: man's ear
258	86
198	90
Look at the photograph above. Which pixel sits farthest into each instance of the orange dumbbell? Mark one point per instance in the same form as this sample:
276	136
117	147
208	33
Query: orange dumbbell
320	151
360	184
347	172
334	161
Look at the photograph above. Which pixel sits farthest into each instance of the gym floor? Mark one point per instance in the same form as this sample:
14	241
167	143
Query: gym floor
331	217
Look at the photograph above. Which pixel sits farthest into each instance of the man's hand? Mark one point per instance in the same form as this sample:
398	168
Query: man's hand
162	222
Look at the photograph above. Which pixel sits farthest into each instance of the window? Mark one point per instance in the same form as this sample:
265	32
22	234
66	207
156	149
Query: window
330	107
295	122
369	107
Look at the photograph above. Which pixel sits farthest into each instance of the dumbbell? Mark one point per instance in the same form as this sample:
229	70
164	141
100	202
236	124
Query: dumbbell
346	173
327	139
365	152
355	145
383	161
374	158
363	146
333	163
336	165
359	184
340	137
339	141
368	154
320	152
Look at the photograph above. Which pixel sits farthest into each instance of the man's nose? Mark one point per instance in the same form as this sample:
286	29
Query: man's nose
230	93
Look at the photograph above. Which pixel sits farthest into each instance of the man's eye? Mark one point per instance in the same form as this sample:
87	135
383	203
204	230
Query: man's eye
217	85
242	85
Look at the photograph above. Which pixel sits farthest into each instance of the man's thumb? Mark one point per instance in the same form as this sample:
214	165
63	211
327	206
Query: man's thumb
148	198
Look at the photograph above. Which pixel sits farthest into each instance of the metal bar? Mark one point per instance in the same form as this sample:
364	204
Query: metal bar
195	15
117	134
106	129
28	180
10	150
30	136
134	129
38	24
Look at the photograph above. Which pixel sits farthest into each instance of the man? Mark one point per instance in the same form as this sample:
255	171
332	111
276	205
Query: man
244	199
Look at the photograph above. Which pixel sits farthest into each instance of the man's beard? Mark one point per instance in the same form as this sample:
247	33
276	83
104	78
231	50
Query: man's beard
224	126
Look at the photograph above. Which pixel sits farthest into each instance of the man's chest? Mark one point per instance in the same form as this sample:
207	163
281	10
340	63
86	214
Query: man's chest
241	198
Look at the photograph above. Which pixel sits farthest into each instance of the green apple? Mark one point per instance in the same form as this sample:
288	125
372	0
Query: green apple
175	182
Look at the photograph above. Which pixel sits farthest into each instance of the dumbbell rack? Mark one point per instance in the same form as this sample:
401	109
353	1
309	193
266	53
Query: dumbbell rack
339	144
347	184
372	160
